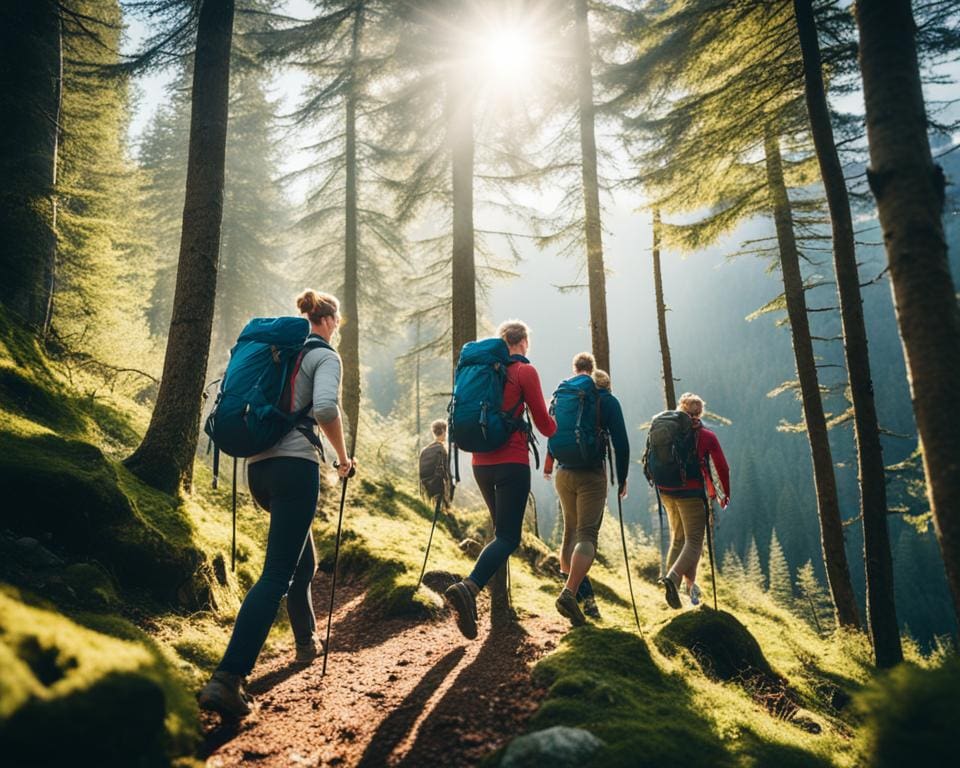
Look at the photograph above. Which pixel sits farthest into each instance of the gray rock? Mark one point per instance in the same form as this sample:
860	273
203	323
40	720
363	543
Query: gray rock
558	747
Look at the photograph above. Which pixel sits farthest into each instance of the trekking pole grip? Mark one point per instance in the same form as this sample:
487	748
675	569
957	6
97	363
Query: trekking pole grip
353	468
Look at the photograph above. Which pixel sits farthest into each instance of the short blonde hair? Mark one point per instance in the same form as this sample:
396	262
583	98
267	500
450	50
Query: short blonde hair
584	362
513	332
691	404
601	378
438	427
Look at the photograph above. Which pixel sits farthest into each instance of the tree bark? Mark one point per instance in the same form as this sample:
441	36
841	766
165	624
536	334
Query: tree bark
909	190
669	392
881	611
165	457
828	505
596	276
31	80
349	347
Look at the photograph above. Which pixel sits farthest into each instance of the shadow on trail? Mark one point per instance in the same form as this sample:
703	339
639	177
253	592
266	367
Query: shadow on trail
397	725
226	730
482	708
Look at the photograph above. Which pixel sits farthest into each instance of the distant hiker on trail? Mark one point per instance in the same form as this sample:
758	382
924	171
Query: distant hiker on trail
588	416
500	444
284	480
683	460
435	466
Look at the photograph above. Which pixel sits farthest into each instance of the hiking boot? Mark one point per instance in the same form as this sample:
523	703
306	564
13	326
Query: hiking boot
670	591
694	593
464	603
224	693
308	651
568	608
590	609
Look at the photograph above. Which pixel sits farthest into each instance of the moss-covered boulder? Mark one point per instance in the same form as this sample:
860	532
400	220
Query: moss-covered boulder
67	493
910	714
69	693
722	646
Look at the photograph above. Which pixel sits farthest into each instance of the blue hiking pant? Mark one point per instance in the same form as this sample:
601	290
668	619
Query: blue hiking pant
287	488
505	488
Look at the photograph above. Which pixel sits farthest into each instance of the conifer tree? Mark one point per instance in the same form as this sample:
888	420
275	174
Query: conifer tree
752	570
909	189
669	392
781	583
812	602
165	457
31	63
732	566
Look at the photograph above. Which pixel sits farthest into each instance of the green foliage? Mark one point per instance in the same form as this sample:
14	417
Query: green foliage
732	566
813	603
911	712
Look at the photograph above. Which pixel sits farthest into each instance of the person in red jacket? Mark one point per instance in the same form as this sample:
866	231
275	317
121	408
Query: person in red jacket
686	506
503	476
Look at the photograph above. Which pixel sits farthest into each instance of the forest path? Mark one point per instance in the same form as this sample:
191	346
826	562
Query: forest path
398	692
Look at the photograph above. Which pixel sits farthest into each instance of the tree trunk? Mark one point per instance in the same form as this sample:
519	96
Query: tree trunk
669	392
165	457
349	347
416	395
828	505
909	189
881	611
31	80
591	192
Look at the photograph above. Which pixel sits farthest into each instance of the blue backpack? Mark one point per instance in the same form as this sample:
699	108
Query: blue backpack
580	441
478	421
253	407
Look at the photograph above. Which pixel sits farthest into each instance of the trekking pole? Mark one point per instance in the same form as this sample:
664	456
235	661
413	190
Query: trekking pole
336	553
663	566
626	563
436	514
713	575
536	520
233	542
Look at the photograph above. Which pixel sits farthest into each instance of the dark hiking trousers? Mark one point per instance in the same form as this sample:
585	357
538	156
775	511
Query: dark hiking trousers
505	488
287	488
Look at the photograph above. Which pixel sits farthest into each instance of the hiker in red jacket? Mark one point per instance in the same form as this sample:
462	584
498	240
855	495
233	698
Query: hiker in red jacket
503	476
686	506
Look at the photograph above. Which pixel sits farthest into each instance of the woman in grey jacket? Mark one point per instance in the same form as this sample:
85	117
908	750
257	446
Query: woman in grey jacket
285	480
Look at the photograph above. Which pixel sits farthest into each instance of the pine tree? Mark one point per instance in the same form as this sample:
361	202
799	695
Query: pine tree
909	190
732	566
165	457
781	583
753	571
812	602
669	392
31	62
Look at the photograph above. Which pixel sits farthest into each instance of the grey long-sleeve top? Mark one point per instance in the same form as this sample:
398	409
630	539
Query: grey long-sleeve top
318	381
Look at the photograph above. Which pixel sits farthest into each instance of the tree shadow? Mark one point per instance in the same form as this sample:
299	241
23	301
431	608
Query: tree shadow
398	724
483	706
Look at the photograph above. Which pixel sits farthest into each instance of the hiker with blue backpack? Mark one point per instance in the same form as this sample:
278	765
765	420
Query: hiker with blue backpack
589	418
686	466
296	389
494	384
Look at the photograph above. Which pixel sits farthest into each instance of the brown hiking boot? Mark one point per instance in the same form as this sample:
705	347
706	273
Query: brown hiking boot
224	693
464	603
590	609
568	608
308	651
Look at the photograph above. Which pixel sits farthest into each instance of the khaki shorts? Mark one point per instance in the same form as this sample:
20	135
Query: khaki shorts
583	497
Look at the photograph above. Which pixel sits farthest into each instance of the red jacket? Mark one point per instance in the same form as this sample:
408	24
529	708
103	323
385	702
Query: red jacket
522	381
708	449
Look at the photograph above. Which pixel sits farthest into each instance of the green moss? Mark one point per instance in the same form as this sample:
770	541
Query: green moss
910	714
105	693
606	681
722	646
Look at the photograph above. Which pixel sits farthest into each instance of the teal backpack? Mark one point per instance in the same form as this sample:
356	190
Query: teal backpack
581	441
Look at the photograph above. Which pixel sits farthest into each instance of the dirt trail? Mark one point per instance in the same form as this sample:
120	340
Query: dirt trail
397	692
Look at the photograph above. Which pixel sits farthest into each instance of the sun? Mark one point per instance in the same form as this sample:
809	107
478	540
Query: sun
507	52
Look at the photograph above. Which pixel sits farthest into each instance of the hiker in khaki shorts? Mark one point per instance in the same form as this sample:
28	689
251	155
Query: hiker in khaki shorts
587	415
